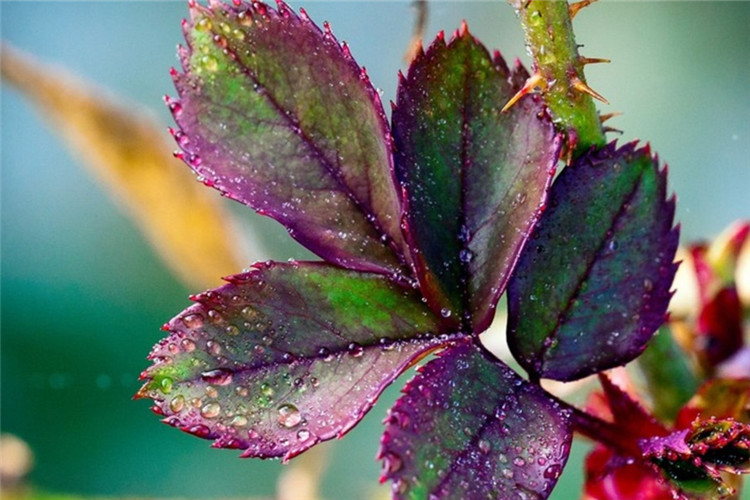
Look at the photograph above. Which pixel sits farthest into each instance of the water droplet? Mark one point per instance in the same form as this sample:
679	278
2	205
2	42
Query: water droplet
303	435
553	471
187	345
325	353
519	462
466	256
177	404
211	410
648	285
314	382
251	313
355	350
238	421
232	330
215	316
289	416
484	446
193	320
445	312
211	392
204	24
464	234
520	198
238	34
612	245
165	385
213	347
219	376
266	390
209	63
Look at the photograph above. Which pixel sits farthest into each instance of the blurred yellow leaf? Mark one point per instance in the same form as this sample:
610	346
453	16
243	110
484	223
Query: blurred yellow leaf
131	156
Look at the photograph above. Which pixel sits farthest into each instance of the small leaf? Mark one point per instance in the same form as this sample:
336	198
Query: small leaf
592	284
276	114
124	150
474	178
286	356
668	374
468	427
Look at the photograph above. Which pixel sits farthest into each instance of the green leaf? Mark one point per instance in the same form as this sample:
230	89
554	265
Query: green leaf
468	427
475	178
286	356
592	284
668	374
275	113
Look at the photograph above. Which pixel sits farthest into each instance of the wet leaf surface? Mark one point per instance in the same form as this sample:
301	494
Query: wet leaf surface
275	113
474	177
286	356
593	282
468	427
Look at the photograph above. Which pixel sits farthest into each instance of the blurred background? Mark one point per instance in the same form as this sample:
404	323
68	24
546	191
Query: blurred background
84	294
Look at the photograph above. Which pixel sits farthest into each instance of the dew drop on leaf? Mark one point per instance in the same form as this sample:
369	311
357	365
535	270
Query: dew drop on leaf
266	390
553	471
165	385
219	376
355	350
211	410
176	404
193	321
238	421
188	345
289	416
303	435
484	446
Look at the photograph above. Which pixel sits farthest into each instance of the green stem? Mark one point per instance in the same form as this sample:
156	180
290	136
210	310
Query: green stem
550	39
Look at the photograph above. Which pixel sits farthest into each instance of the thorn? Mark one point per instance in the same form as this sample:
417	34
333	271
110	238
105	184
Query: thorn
464	30
345	50
534	81
603	118
582	87
612	129
593	60
573	8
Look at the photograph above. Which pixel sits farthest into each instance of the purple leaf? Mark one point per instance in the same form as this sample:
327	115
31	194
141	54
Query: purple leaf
275	113
474	178
468	427
286	356
592	284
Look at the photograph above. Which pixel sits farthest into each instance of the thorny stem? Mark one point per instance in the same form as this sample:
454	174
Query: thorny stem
558	70
599	430
603	432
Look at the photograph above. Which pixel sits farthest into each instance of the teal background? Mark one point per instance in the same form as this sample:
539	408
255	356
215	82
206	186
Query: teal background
83	296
